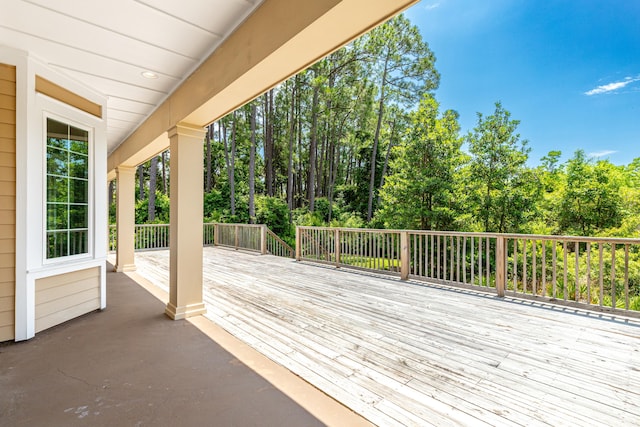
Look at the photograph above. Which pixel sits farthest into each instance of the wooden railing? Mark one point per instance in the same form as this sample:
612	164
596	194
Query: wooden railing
278	247
587	271
252	237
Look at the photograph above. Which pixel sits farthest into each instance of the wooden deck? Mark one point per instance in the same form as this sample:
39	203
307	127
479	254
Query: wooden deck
407	353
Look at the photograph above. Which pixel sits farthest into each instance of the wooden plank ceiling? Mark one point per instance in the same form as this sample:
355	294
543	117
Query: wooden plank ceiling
108	45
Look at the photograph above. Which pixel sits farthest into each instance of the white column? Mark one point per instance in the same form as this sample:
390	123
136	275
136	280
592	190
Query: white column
125	218
185	293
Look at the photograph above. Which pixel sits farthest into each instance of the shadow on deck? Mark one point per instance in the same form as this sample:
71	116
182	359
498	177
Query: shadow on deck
130	365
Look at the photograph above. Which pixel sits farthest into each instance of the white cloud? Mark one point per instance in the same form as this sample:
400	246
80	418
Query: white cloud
602	153
610	87
431	6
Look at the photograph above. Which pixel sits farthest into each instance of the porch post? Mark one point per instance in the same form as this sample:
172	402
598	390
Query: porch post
125	218
185	242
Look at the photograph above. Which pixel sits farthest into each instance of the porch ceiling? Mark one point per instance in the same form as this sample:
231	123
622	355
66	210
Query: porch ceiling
107	45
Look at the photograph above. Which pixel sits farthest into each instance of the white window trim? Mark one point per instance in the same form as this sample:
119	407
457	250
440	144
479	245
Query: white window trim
46	114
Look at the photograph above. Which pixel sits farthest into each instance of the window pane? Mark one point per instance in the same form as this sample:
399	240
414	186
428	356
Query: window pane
78	191
57	162
57	134
78	165
78	242
57	244
57	216
57	143
67	190
57	189
79	140
78	217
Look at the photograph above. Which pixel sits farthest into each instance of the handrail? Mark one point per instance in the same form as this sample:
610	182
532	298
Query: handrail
252	237
277	246
574	270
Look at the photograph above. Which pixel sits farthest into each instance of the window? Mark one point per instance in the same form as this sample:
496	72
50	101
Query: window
67	218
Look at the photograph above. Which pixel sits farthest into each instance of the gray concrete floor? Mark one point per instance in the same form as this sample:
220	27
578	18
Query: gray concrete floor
129	365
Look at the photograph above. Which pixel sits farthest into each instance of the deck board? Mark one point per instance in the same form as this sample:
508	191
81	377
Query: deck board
409	353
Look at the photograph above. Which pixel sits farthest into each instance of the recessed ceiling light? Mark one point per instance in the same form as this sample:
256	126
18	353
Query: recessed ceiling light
149	75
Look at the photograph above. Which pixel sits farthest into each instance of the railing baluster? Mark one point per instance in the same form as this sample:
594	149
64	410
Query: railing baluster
524	266
432	250
534	267
452	252
464	260
544	268
472	242
553	267
577	272
515	265
487	261
480	276
445	257
601	275
588	272
565	272
626	276
613	275
438	258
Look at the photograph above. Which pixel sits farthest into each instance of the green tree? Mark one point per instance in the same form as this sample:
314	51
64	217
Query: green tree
591	200
503	195
419	191
404	68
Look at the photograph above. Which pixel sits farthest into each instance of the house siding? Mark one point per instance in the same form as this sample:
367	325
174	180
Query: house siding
7	201
66	296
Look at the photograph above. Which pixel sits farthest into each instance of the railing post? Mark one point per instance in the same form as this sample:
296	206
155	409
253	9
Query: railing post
216	234
263	239
336	246
237	237
404	255
298	249
500	265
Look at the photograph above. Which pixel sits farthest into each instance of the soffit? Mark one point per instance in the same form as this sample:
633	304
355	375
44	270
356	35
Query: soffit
107	45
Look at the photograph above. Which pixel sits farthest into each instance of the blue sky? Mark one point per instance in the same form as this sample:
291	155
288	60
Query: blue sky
569	70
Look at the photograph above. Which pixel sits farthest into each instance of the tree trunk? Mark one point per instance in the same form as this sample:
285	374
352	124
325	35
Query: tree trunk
386	159
292	132
208	142
376	138
165	190
141	182
299	187
268	140
111	189
313	147
252	166
232	169
153	175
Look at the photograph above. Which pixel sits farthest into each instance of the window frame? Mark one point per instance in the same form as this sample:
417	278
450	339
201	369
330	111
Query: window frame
89	254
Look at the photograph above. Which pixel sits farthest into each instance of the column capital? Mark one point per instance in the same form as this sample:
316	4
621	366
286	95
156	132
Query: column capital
188	130
125	169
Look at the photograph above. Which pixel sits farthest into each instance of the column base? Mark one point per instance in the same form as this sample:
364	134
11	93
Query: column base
190	310
124	268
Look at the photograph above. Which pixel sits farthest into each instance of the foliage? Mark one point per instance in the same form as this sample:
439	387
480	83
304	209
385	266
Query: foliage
419	192
590	199
502	193
161	210
273	212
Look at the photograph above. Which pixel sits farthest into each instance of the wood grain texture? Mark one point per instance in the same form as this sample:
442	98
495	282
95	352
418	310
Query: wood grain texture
409	353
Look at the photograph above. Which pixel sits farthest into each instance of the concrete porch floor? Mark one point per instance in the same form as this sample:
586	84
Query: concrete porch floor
129	365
